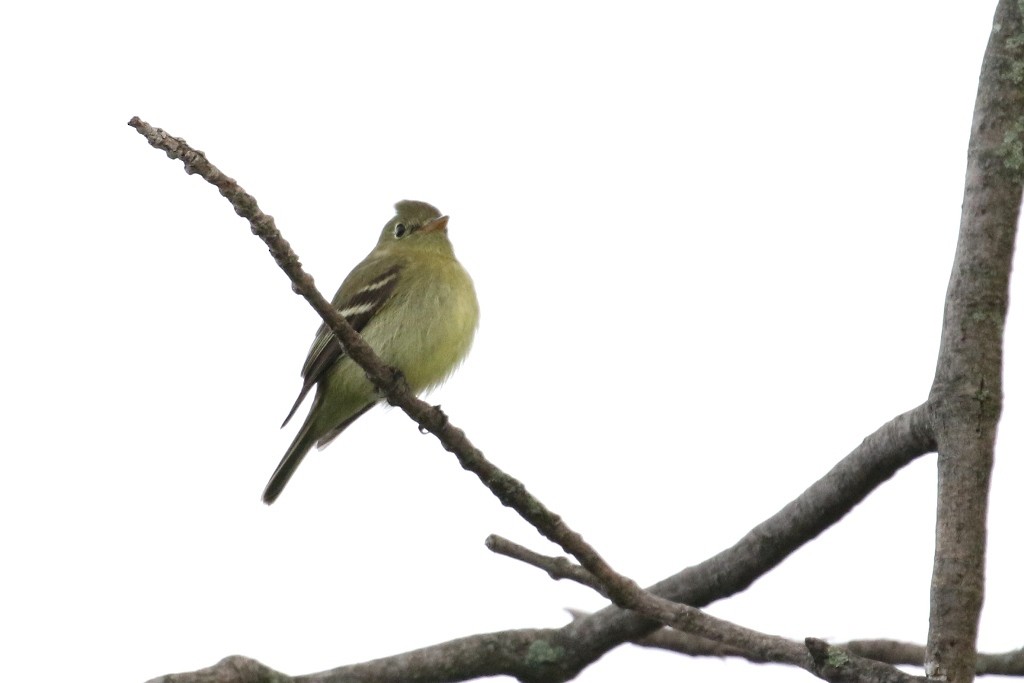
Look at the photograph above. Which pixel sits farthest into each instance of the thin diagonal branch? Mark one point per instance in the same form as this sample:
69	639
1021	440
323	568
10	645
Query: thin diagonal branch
896	443
623	591
506	488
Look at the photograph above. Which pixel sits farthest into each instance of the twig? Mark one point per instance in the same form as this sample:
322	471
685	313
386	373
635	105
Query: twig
556	567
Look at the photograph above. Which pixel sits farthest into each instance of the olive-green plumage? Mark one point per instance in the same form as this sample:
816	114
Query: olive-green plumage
413	303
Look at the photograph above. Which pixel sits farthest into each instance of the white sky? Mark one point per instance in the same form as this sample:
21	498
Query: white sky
710	240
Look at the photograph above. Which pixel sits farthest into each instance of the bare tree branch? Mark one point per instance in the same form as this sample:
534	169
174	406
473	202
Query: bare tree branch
234	669
960	418
623	591
1005	663
967	393
840	666
892	652
507	489
491	654
556	567
525	654
829	662
904	433
873	462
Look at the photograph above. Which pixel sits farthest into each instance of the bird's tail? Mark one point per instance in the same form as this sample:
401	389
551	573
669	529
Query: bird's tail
303	441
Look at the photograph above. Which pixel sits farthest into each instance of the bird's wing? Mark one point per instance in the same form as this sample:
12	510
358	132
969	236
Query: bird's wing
359	299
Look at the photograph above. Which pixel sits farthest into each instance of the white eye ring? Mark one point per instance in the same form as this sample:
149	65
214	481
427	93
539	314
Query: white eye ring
400	231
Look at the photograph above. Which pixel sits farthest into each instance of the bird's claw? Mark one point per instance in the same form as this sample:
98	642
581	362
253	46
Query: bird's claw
444	420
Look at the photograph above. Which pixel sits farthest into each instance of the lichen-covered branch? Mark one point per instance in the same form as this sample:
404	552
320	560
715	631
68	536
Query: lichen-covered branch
966	396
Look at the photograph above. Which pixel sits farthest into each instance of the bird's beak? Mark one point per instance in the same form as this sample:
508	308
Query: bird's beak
436	225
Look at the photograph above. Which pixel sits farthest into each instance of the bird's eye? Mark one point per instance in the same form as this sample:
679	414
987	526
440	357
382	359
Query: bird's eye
400	230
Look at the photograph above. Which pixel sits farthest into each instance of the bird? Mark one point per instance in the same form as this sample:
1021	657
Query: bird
413	303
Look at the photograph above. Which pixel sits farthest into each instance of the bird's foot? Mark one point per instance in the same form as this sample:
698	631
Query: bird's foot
443	421
395	379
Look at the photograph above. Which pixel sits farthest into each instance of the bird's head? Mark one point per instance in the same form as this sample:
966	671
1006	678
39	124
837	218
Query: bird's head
416	225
